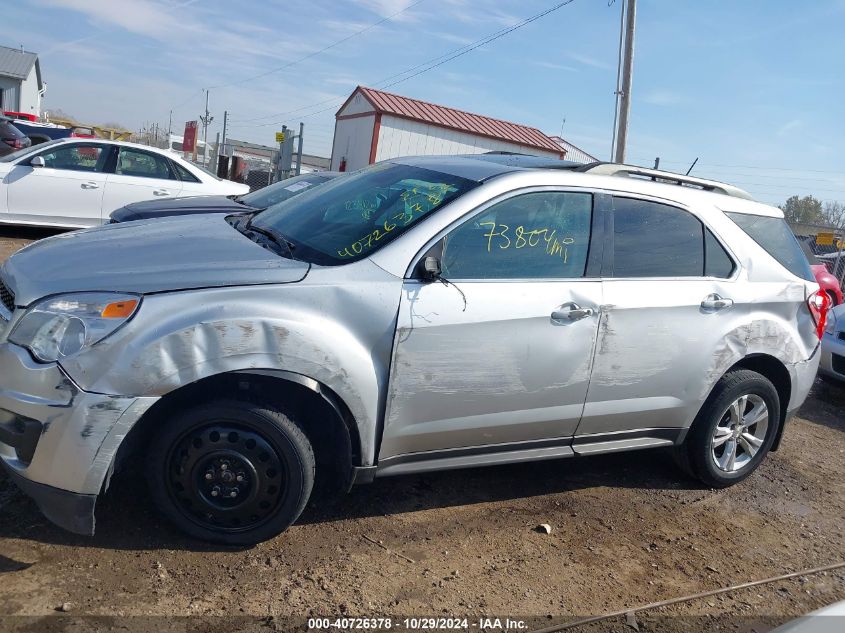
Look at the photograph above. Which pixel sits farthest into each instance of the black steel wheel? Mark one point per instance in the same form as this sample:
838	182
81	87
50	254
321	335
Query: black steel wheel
232	472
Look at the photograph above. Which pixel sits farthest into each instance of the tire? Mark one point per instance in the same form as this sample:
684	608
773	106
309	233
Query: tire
234	472
706	453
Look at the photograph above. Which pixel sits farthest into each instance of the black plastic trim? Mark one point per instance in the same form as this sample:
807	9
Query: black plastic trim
20	433
425	456
602	207
69	510
664	433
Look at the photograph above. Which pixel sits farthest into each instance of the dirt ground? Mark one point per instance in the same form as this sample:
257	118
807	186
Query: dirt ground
626	530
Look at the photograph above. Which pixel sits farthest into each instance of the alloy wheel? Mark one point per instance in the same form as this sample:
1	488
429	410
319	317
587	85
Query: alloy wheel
740	433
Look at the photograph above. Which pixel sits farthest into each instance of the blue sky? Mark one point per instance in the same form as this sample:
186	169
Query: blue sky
754	88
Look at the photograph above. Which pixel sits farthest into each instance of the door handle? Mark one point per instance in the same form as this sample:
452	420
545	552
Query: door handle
716	302
572	312
90	185
161	192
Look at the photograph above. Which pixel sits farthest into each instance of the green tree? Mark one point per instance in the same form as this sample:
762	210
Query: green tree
806	210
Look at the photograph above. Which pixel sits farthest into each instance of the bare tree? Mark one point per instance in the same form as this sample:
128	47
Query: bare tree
834	214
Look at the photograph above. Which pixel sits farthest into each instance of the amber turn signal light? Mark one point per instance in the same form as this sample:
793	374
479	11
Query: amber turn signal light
119	309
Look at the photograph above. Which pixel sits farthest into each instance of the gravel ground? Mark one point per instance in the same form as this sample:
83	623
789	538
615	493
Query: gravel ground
627	530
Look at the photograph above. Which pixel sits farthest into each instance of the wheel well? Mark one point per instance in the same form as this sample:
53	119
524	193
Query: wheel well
776	372
328	424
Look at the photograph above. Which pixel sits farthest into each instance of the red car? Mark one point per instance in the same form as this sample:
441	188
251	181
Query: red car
828	282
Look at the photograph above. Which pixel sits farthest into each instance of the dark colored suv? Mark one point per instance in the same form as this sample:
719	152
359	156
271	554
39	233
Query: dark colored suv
11	138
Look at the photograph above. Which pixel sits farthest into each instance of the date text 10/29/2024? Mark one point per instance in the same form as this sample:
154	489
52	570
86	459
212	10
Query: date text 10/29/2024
416	623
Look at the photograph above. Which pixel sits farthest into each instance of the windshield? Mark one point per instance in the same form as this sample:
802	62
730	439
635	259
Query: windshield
281	191
351	217
8	158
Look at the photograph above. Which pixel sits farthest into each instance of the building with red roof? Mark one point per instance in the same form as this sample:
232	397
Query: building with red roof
373	125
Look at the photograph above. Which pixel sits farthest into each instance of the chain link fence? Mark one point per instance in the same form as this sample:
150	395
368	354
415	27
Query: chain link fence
258	178
824	245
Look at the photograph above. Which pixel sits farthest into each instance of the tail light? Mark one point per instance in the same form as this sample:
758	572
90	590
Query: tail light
819	304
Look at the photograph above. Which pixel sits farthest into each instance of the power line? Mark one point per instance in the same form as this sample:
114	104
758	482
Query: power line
420	69
322	50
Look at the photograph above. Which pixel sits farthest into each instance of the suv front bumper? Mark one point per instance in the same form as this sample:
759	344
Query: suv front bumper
58	442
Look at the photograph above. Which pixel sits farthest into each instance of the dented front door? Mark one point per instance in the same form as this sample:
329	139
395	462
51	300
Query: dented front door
499	370
501	353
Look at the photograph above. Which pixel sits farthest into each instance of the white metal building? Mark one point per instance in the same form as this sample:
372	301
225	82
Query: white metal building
374	125
573	152
21	87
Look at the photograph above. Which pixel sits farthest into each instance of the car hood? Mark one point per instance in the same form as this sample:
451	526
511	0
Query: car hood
197	251
178	206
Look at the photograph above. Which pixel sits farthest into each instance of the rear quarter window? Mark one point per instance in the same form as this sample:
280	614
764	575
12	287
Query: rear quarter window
777	239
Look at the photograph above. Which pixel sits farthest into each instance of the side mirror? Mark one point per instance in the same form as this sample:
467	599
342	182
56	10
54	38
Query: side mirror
430	268
38	161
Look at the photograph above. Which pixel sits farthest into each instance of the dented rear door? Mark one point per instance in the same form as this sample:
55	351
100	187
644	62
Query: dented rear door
671	297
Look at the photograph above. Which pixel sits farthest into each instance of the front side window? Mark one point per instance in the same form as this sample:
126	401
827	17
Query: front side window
140	164
350	217
541	235
82	157
655	240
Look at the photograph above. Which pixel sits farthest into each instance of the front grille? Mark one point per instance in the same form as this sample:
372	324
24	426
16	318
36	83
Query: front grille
838	364
7	298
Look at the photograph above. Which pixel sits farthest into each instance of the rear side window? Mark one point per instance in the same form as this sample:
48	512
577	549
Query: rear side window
655	240
717	262
184	174
140	164
777	239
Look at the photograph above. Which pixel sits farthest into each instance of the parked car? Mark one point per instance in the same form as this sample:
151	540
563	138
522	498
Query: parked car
420	314
825	620
72	183
827	281
42	132
833	345
251	202
11	138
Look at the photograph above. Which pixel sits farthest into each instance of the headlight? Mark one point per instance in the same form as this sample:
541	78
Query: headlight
65	325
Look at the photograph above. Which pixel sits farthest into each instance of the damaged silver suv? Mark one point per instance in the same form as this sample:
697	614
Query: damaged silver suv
420	314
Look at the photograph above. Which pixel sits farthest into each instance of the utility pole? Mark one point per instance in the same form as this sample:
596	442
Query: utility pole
299	149
223	139
205	122
627	72
215	160
169	127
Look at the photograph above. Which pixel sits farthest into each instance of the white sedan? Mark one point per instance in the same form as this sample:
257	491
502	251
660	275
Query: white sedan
77	183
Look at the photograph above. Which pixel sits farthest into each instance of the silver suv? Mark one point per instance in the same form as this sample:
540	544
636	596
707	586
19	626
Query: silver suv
420	314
